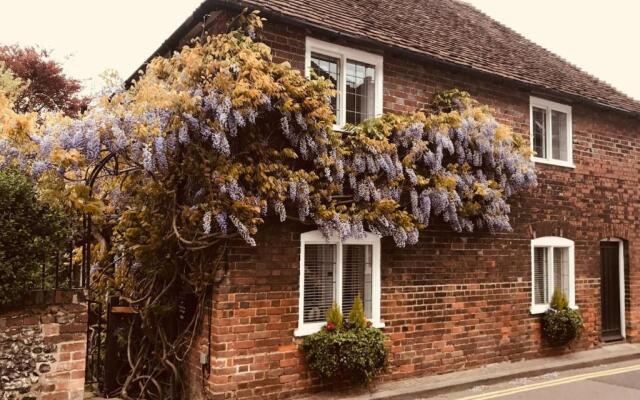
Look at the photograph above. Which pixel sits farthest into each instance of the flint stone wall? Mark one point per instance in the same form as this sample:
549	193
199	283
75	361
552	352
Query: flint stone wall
42	347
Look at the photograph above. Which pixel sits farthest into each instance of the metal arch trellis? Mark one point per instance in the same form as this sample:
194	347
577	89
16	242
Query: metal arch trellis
94	371
86	219
59	271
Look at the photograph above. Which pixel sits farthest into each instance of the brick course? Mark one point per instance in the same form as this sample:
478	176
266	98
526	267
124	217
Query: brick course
453	301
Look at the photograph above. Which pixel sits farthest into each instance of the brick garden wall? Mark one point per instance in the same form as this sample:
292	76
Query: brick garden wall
453	301
42	348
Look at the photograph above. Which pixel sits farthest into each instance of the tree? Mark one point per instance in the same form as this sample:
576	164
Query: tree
31	232
10	85
217	140
46	87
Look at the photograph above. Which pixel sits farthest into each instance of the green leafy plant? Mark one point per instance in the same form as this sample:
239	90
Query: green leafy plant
559	301
335	320
213	142
357	319
355	353
561	324
30	232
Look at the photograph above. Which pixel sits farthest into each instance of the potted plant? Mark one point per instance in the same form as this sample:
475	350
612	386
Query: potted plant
350	350
561	324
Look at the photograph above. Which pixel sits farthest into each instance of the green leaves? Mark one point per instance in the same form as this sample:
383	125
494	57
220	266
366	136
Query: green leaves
31	233
348	350
334	317
355	355
559	301
357	319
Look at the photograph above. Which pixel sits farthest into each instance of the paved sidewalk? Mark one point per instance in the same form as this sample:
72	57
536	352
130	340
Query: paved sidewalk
410	389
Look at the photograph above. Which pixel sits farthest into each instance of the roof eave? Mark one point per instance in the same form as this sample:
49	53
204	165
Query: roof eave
171	43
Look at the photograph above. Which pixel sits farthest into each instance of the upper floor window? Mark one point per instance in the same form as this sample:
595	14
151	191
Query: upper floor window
552	268
356	75
551	132
337	271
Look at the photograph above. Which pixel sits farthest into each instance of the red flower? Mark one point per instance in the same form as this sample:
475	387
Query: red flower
331	326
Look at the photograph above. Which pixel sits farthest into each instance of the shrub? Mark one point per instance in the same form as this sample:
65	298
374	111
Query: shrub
355	353
561	324
334	318
559	301
357	319
29	231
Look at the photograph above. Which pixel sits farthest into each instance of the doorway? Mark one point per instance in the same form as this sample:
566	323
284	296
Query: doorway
612	289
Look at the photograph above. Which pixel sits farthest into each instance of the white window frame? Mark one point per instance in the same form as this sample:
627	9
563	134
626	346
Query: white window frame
343	54
553	241
550	106
623	322
316	237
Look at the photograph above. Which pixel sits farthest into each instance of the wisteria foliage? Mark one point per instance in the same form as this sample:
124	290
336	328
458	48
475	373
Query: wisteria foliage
217	139
238	137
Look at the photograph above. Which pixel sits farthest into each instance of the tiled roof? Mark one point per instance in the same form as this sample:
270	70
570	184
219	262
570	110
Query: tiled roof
453	32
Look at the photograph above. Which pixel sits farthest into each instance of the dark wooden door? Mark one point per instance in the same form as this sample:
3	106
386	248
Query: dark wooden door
610	286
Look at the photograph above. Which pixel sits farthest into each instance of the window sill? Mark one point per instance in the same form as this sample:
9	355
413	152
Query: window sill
339	128
542	308
309	329
558	163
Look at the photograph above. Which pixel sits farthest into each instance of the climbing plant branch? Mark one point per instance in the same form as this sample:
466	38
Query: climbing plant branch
216	140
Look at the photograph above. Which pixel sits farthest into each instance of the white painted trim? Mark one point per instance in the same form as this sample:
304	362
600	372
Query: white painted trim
549	106
538	160
343	54
623	327
316	237
550	242
308	329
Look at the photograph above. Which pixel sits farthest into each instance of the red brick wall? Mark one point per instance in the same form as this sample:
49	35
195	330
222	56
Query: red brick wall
453	301
45	344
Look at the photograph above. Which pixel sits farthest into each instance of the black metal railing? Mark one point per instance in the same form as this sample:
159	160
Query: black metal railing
94	372
61	270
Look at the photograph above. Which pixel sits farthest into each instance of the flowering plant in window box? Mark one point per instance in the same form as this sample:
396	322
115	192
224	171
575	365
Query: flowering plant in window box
561	324
350	350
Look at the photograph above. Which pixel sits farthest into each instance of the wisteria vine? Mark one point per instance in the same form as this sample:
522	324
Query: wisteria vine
217	139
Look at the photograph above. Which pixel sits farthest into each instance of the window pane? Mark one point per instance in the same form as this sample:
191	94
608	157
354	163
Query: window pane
561	269
539	132
329	68
356	277
559	135
540	291
360	92
319	280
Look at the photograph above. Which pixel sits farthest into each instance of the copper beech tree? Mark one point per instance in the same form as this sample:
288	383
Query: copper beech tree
210	142
44	86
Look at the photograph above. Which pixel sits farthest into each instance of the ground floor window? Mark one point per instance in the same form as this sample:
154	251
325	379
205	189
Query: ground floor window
552	269
337	271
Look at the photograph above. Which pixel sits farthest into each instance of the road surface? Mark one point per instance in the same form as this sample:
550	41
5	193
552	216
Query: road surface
619	381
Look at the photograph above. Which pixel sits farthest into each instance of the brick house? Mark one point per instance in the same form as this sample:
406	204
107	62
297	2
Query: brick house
453	301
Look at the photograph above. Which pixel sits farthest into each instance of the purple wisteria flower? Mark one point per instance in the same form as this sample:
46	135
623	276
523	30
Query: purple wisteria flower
221	220
161	152
243	231
206	222
183	134
147	159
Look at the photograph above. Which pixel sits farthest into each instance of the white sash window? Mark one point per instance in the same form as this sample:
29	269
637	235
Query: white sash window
337	271
552	268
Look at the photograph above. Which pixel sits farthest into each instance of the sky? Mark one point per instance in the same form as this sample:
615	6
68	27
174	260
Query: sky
90	36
